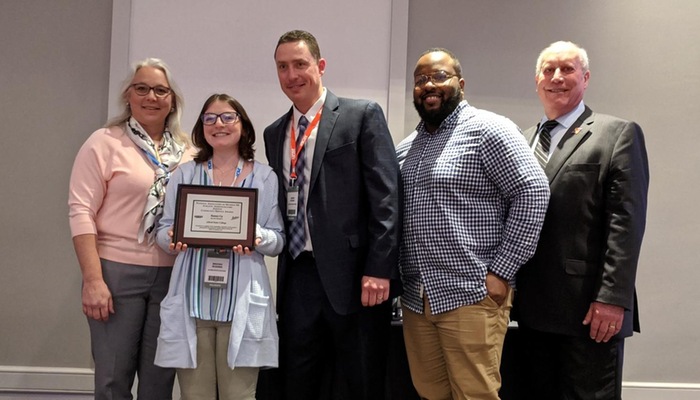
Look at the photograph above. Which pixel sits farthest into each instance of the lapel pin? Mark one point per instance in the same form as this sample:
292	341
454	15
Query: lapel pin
577	130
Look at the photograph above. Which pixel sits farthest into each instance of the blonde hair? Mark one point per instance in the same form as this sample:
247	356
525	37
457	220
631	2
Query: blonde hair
172	121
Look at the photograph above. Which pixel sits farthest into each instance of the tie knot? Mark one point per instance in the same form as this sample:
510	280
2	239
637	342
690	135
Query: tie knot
548	126
303	123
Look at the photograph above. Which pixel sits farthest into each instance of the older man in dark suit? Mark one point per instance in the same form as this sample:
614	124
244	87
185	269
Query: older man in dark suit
338	178
576	299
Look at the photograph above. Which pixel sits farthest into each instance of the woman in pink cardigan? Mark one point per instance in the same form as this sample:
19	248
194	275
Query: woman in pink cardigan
116	198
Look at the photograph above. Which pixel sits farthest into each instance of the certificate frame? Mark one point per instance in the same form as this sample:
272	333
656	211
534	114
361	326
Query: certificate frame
215	216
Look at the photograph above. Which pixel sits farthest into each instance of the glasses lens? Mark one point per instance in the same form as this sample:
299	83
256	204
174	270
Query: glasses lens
420	80
440	77
229	117
209	119
161	91
141	89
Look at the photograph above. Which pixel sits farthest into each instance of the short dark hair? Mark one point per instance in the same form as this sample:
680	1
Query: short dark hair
455	60
301	36
245	144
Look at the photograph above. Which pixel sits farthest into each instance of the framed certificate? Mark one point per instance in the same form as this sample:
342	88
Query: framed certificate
215	216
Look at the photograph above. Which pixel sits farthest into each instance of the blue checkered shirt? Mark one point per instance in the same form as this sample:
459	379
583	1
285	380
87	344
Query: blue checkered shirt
474	202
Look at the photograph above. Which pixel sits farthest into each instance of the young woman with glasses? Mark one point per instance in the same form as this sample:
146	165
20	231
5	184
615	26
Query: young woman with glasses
218	319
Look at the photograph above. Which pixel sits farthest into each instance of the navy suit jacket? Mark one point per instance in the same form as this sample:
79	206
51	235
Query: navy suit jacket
353	202
592	233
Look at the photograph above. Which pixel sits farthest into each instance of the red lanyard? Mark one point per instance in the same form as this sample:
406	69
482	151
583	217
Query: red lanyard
293	143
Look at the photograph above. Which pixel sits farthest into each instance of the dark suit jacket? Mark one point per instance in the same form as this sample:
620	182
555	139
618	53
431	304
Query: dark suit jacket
590	241
353	203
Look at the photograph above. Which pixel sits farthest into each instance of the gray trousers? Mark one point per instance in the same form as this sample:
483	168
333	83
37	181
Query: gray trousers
126	344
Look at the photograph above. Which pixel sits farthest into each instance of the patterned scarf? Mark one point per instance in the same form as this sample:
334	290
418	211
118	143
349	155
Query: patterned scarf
170	153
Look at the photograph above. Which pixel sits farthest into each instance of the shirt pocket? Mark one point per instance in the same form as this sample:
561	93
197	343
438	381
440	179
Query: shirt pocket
172	325
257	323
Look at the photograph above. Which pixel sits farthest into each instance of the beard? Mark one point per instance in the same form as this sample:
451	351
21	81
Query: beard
435	117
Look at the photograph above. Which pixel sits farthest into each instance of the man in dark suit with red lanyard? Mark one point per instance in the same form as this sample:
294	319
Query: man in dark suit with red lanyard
576	299
338	176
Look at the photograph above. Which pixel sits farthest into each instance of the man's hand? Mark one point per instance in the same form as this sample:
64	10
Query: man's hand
496	287
374	290
605	321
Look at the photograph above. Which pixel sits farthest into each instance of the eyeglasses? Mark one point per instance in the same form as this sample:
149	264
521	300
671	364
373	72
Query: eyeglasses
226	118
436	77
142	90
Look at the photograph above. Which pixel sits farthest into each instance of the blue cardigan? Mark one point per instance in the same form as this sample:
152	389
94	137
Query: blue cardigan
254	341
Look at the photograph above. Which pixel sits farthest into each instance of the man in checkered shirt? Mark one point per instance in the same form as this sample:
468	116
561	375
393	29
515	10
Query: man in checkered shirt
474	202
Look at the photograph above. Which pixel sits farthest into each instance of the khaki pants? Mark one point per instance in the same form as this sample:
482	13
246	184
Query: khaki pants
457	354
212	370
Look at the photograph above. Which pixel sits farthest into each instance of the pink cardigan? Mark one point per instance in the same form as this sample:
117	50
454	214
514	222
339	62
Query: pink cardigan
107	194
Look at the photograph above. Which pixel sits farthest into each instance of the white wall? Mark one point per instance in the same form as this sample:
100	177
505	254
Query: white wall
217	46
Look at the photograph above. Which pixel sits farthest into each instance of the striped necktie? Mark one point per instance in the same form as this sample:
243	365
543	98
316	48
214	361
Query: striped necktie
542	148
297	234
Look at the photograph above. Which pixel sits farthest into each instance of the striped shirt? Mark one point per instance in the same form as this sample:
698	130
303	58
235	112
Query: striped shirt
474	202
212	303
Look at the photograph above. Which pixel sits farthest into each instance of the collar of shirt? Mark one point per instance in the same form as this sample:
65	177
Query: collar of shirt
454	115
311	113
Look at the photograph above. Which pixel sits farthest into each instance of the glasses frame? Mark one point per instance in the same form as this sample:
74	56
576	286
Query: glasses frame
219	116
155	90
422	79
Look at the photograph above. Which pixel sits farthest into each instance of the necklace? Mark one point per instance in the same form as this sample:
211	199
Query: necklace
223	171
211	169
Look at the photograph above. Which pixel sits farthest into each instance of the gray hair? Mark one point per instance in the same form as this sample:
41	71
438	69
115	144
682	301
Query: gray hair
172	122
563	45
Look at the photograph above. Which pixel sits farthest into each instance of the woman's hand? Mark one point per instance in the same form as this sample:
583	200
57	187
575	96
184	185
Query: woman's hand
96	297
179	246
245	250
97	300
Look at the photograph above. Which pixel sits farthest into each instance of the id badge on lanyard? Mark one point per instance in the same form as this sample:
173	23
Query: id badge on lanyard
216	268
292	202
294	188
